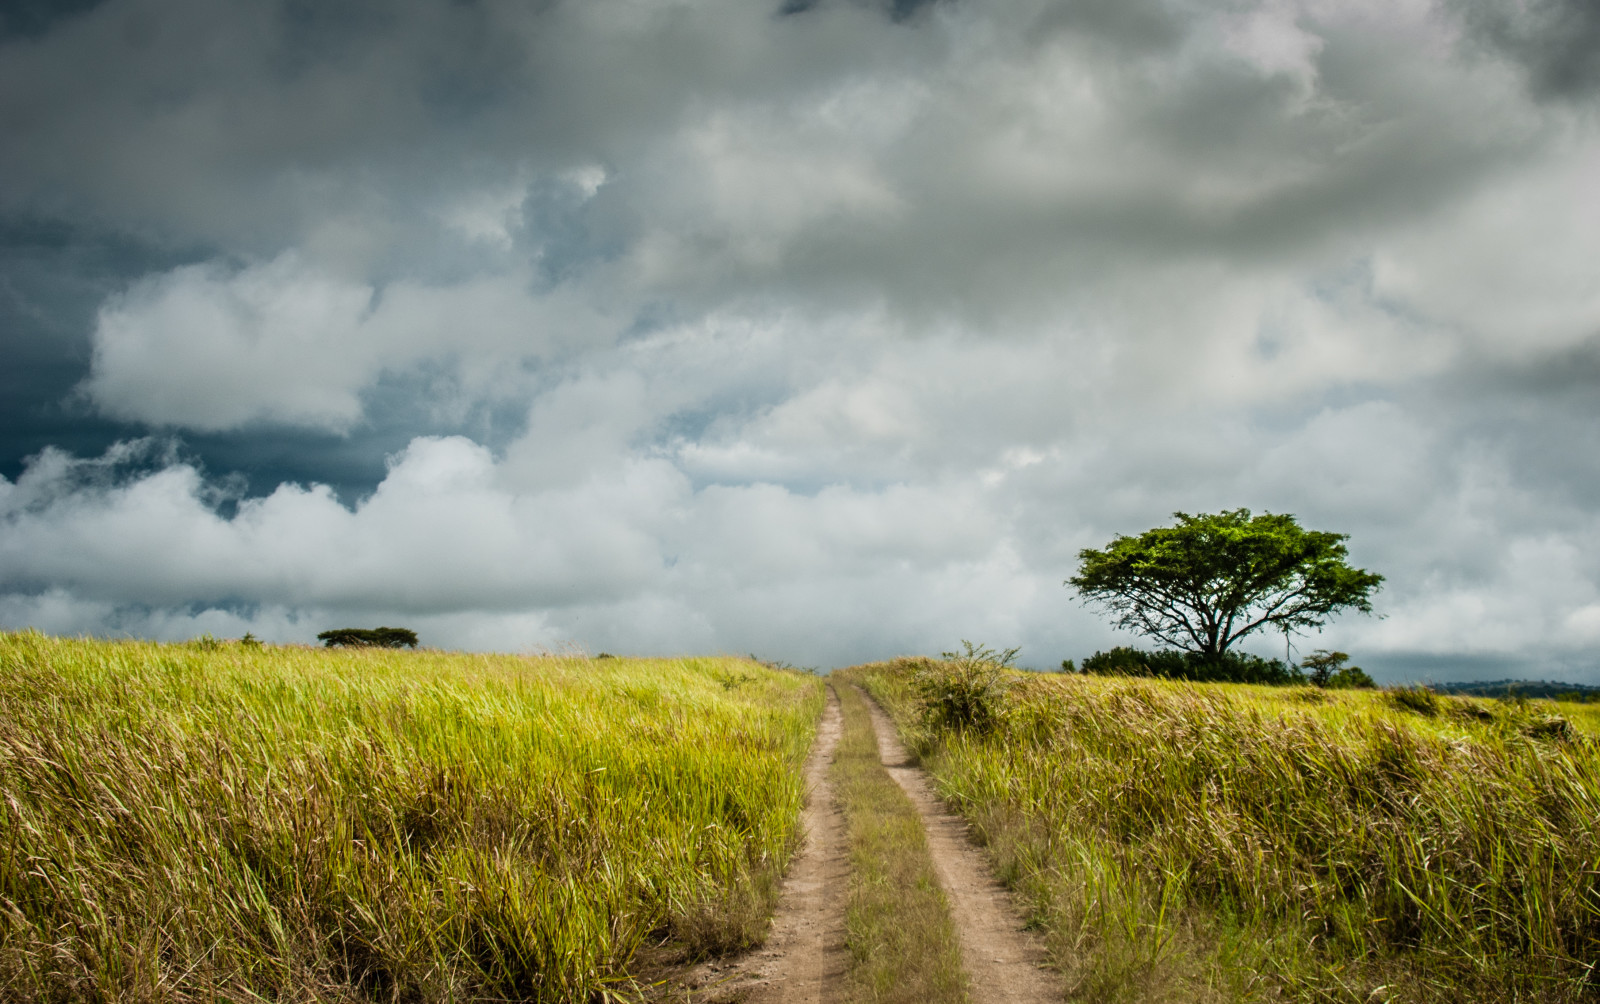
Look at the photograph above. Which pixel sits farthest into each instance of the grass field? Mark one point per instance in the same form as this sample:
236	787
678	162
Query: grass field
219	822
1215	842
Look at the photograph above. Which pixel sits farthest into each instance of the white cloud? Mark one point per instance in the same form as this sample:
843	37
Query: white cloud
440	534
207	348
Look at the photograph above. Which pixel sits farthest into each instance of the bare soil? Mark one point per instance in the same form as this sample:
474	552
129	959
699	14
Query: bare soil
804	960
1003	960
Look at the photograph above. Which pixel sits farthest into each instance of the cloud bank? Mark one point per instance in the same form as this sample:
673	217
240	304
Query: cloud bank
826	332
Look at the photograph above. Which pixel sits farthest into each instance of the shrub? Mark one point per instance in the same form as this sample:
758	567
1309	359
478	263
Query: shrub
1351	678
1418	699
1120	661
1328	669
967	690
1230	667
1469	711
1549	727
382	637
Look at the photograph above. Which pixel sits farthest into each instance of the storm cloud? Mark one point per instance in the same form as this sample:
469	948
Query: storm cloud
826	331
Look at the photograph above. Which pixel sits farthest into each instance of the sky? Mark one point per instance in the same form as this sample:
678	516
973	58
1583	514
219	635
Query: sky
823	331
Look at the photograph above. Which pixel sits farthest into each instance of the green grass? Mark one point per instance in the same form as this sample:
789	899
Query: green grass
1215	842
205	823
903	949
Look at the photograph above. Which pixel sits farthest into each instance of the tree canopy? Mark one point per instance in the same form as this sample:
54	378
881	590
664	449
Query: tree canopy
382	637
1211	579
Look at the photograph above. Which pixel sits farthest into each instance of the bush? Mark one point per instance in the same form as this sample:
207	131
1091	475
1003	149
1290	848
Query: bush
1328	669
1231	667
1418	699
1351	678
1120	661
383	637
967	690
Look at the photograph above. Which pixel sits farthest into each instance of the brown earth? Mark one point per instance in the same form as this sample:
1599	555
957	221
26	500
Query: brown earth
804	959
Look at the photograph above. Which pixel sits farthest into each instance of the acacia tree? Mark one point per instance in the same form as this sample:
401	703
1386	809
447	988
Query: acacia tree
383	637
1210	580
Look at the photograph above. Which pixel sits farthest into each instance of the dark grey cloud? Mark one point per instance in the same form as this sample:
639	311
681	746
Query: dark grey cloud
1557	42
31	18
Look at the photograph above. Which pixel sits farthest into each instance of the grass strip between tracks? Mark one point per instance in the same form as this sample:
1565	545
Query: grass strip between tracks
897	925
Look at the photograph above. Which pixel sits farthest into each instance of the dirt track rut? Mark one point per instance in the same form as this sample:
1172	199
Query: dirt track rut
1003	961
805	959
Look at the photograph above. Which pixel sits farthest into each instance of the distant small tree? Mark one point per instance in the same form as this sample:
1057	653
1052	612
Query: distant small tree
1328	669
382	637
1212	579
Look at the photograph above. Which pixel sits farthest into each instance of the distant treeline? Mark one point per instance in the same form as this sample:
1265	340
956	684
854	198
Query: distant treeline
1511	689
1323	669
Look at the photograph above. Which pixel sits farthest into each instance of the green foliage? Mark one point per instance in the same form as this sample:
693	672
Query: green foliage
1351	678
966	691
304	825
1214	578
1229	667
1328	669
382	637
250	640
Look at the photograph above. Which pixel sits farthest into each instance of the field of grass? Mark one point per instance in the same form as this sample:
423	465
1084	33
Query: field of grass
220	822
903	949
1216	842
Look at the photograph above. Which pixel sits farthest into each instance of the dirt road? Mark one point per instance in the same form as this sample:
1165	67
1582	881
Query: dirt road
1003	961
805	959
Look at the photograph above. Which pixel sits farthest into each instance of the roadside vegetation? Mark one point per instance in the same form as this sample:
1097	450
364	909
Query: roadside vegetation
1184	841
1320	668
236	822
903	948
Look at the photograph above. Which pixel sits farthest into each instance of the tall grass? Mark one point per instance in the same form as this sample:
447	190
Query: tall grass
186	823
1227	842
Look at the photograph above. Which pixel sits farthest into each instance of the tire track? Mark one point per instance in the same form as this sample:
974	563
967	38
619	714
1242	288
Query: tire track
804	959
1003	961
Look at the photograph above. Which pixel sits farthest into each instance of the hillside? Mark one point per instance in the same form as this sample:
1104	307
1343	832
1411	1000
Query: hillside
1226	842
228	823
